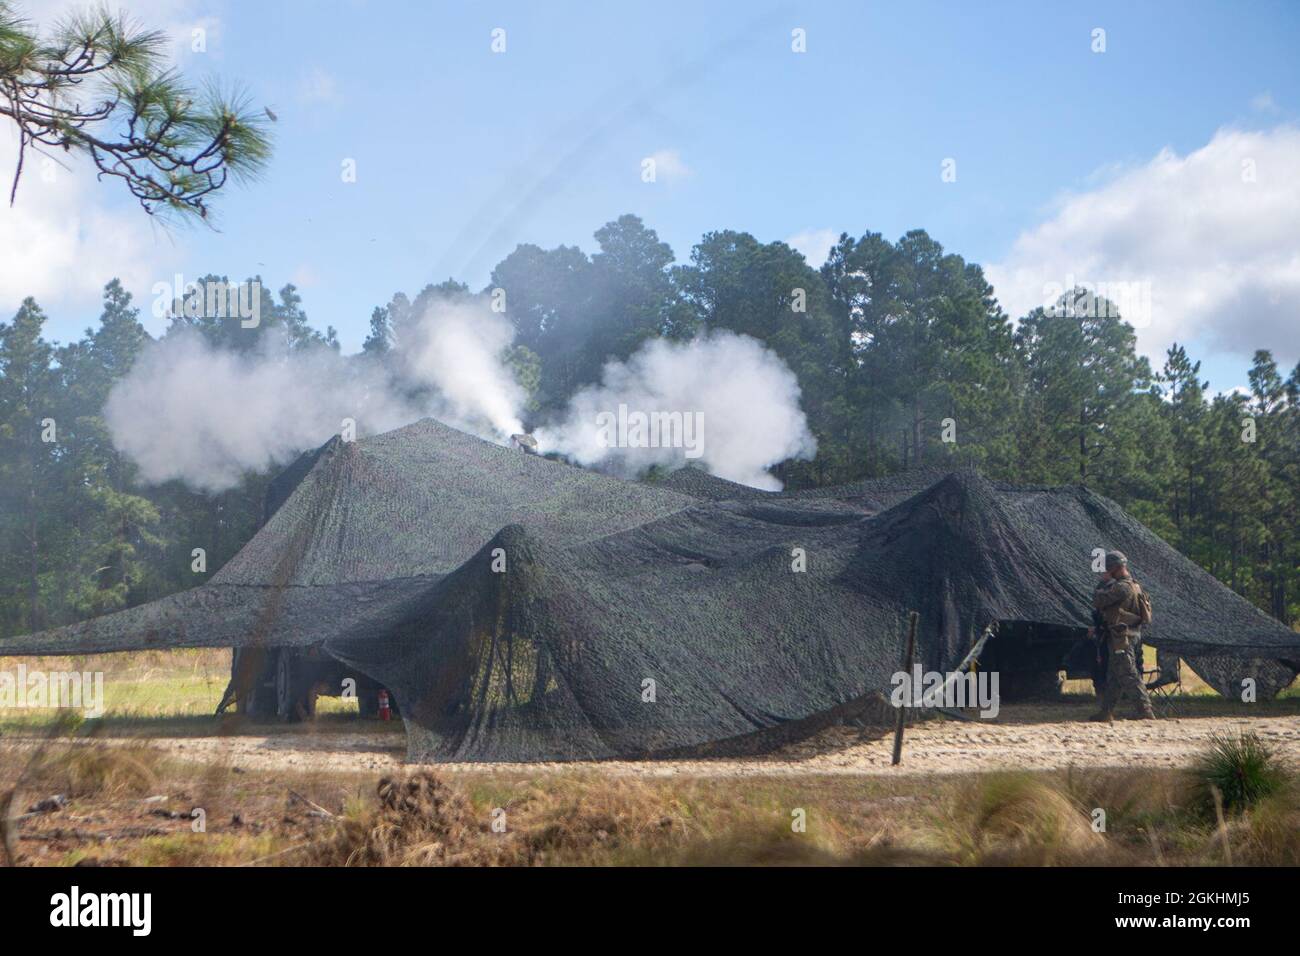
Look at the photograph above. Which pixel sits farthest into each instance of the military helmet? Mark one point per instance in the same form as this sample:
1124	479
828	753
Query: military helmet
1115	559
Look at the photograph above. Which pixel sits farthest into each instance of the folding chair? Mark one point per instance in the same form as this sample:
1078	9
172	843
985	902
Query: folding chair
1164	682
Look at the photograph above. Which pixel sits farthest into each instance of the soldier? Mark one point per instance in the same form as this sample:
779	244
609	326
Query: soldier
1123	608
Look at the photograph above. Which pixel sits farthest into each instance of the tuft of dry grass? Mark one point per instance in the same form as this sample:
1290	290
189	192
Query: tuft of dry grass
1271	832
1133	798
419	820
584	819
95	768
1019	819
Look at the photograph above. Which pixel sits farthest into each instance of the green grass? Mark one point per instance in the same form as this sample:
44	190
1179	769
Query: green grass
154	693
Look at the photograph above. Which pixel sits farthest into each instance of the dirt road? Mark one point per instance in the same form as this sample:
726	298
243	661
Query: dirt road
1028	741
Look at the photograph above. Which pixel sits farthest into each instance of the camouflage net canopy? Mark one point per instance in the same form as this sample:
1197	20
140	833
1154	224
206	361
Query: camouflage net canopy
524	609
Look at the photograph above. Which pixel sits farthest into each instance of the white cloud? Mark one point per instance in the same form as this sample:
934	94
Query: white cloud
814	244
669	165
65	237
68	234
1212	238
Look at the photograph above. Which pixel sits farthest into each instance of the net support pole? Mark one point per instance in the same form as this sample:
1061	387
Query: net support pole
909	655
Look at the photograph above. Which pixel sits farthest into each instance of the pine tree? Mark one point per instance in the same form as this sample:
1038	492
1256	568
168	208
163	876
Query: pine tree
114	521
1084	419
29	456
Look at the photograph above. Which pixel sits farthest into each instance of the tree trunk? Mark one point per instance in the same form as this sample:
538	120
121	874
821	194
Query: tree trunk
917	421
1083	444
33	568
33	553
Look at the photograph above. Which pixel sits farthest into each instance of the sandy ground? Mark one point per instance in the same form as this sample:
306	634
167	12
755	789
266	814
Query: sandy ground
1028	741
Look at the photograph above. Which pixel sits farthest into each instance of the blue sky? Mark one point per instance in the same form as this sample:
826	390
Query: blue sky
462	153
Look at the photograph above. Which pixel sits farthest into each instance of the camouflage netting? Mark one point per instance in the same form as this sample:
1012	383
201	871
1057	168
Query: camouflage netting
1228	675
523	609
698	483
355	529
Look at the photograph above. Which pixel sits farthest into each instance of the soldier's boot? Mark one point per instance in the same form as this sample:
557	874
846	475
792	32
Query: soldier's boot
1109	696
1145	711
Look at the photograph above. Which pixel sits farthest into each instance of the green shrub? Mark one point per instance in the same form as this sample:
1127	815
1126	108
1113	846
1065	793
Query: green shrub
1242	769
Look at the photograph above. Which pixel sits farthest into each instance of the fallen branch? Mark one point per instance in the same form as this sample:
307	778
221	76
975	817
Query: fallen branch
295	795
263	859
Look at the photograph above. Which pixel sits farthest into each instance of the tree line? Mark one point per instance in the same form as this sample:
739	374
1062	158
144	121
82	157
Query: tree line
904	356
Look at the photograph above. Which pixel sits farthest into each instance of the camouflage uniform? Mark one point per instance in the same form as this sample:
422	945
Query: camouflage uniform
1116	600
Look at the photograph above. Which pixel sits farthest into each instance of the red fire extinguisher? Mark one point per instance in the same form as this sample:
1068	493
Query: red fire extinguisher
385	712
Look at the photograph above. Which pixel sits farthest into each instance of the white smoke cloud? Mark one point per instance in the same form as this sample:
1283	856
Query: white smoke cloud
207	416
456	350
744	396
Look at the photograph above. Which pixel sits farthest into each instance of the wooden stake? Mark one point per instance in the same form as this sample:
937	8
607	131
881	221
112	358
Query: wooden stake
908	657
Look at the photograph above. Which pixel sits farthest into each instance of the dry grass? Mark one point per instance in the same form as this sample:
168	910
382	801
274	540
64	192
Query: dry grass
96	769
1010	819
1019	818
422	819
1270	835
419	821
570	817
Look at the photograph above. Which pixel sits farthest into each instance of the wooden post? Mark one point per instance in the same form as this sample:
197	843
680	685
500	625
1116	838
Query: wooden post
908	656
